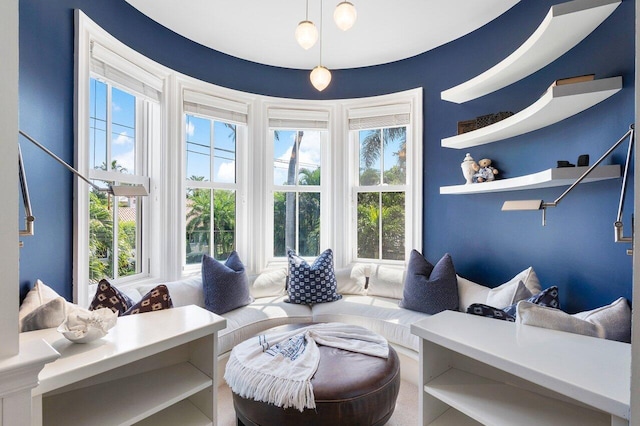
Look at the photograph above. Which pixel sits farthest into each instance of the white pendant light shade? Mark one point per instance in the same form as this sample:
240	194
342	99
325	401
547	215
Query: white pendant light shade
306	34
320	77
345	15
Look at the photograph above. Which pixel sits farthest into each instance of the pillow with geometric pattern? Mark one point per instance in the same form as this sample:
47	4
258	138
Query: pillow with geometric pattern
107	296
156	299
309	284
547	297
489	312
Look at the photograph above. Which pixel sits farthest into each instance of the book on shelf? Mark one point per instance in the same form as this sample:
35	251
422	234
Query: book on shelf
572	80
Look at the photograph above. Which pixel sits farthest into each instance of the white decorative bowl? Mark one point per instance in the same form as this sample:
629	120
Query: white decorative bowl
83	326
82	336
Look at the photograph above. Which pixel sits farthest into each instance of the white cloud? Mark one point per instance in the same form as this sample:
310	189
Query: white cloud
115	107
126	160
227	172
122	139
190	128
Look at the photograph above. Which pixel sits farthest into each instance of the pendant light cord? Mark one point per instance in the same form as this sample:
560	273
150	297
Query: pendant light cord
321	32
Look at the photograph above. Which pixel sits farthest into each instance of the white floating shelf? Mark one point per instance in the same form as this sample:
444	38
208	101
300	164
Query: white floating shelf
557	103
545	179
496	403
565	25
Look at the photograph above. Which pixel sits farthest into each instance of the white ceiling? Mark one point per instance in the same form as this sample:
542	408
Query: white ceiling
262	30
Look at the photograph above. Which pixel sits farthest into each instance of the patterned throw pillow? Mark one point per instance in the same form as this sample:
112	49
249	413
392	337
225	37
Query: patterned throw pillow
309	284
107	296
490	312
430	289
158	298
226	286
547	297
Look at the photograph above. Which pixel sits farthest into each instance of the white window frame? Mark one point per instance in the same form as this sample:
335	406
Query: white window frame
305	116
208	103
101	56
380	110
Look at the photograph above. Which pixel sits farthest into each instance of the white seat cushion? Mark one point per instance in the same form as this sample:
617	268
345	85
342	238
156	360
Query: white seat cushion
378	314
262	314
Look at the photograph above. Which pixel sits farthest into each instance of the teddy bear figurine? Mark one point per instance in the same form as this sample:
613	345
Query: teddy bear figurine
484	172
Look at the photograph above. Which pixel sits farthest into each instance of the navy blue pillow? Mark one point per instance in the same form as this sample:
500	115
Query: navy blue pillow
489	312
547	297
430	289
226	286
309	284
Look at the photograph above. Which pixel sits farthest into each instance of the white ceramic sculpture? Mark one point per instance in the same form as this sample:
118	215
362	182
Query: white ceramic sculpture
83	326
468	170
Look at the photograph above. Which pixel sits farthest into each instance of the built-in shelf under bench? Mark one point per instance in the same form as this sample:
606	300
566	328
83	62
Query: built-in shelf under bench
476	370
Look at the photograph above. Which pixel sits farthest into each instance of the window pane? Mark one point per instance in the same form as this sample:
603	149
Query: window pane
370	150
224	223
224	163
97	124
309	230
368	225
393	207
100	236
395	149
284	157
309	155
123	132
198	146
284	222
128	235
198	232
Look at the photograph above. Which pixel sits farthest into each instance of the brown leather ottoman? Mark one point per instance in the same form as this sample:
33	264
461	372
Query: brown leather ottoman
350	389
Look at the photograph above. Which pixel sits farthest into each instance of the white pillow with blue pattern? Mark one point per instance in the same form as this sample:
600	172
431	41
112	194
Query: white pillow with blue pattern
311	284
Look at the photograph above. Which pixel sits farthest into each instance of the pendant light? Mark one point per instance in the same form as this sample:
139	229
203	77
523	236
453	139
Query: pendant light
320	76
306	32
345	15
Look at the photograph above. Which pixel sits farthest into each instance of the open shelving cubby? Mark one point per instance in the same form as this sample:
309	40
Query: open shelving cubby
564	26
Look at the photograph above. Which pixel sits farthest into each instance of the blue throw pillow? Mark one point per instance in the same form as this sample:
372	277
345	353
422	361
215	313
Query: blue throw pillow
547	297
309	284
430	289
226	286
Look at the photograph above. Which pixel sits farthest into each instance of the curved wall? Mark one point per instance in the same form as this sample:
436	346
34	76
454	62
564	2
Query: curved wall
574	251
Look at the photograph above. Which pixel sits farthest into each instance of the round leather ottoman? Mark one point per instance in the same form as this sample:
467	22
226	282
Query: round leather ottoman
350	389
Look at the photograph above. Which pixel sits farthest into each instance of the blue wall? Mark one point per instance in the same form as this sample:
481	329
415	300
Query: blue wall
574	251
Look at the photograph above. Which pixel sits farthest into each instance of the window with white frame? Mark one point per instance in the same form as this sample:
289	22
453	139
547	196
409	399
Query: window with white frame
383	207
298	165
214	129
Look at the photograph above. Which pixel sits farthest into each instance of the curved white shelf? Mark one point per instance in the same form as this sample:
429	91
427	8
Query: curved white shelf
564	176
565	25
557	103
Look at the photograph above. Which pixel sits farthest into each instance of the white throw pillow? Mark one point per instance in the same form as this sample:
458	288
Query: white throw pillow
615	320
507	294
386	281
269	283
48	315
39	295
541	316
470	293
353	279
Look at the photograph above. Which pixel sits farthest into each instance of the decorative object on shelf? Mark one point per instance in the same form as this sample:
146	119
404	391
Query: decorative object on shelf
486	120
565	163
618	227
583	160
468	168
484	171
466	126
345	15
116	190
306	32
320	76
482	121
84	326
571	80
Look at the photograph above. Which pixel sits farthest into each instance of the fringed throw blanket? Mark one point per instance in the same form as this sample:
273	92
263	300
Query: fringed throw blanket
277	368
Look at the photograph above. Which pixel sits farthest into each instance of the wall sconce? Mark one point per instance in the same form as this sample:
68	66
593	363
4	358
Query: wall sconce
116	190
541	205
